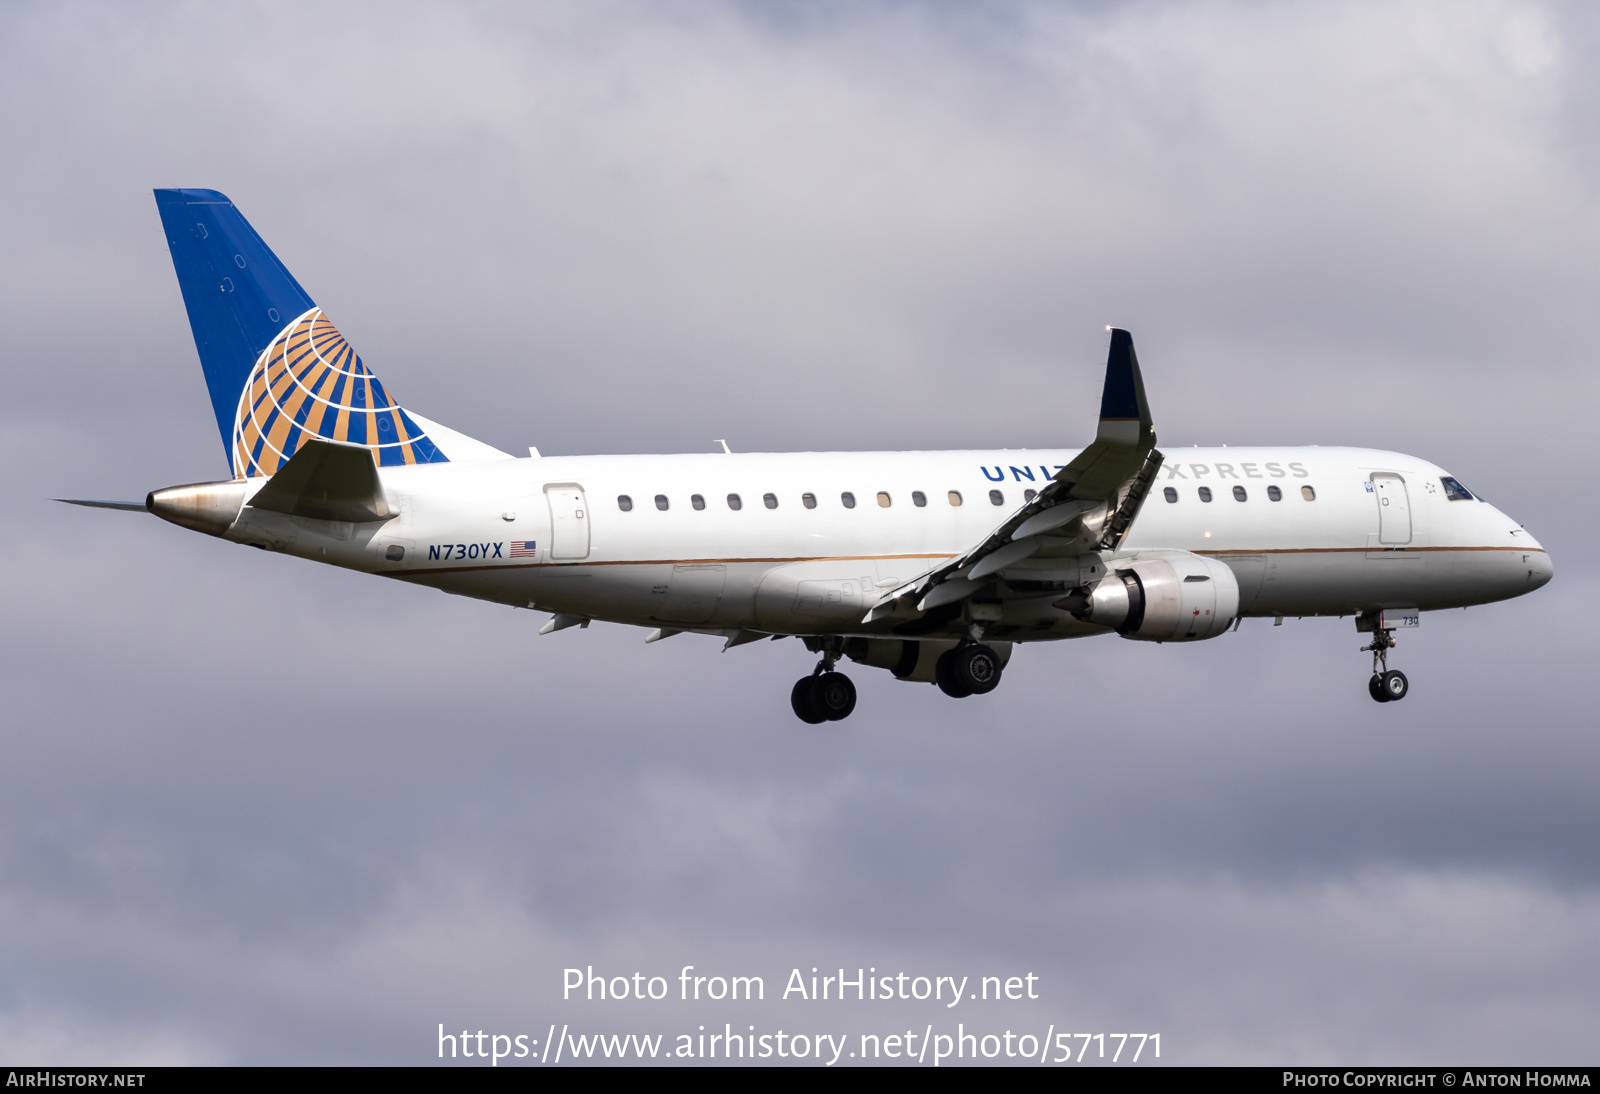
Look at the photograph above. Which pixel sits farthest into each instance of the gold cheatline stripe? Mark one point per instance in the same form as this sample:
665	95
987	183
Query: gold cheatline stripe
1349	550
663	562
872	558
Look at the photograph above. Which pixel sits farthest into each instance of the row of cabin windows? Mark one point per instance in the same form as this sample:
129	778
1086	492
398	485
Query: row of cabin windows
847	499
1239	494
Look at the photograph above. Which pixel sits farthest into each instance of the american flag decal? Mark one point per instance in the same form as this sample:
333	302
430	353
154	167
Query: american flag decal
523	548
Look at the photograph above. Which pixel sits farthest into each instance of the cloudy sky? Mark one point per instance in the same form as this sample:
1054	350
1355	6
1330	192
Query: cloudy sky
256	811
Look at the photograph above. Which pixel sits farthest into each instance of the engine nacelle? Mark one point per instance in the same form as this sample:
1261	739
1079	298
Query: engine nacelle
1175	598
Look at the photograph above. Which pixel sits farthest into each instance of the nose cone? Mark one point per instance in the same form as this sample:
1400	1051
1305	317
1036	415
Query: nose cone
1540	569
1534	568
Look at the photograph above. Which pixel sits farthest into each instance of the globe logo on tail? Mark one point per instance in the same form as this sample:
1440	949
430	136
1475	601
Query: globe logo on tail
310	382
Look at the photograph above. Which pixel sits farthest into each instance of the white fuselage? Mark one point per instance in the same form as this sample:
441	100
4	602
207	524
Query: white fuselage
551	533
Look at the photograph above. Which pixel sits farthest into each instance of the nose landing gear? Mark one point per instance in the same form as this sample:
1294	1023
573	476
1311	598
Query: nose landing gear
1387	685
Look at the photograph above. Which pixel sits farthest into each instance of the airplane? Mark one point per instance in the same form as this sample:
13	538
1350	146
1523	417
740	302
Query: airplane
931	565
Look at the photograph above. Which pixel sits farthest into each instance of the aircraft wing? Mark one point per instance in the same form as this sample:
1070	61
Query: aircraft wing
1087	506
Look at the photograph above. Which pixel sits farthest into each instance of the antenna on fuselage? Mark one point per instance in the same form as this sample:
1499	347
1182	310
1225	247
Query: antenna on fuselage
725	447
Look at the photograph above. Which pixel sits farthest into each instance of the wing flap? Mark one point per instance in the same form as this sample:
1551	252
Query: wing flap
1001	557
1054	517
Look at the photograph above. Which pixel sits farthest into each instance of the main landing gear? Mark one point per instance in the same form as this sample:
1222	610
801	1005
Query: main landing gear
972	669
1387	685
825	695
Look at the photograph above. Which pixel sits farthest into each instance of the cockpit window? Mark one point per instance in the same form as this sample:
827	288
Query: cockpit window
1454	490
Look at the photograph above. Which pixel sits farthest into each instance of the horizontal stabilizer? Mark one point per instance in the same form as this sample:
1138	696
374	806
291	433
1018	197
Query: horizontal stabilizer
326	481
130	506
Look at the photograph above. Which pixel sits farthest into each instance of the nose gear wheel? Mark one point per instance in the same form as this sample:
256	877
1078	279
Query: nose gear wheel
1386	685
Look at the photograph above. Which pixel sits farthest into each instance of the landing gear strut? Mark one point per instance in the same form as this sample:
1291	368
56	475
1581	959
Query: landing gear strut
1387	685
825	695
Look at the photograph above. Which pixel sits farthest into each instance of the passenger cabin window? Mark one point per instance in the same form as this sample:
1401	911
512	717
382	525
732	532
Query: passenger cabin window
808	500
848	500
919	499
955	497
1308	493
734	502
1205	493
1029	495
1239	494
1454	490
884	500
1274	494
996	498
625	503
697	501
1171	495
769	500
662	503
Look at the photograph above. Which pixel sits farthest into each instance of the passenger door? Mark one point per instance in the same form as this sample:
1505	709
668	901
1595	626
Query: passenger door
1394	509
569	522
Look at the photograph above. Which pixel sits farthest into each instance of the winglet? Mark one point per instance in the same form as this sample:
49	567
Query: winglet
1124	412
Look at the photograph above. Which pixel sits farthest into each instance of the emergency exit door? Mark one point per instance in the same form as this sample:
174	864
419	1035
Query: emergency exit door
569	522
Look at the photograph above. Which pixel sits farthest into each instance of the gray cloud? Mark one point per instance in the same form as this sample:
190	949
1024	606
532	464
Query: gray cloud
257	811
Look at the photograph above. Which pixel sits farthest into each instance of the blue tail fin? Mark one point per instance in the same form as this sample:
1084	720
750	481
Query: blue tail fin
276	367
